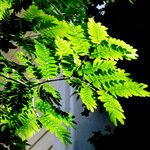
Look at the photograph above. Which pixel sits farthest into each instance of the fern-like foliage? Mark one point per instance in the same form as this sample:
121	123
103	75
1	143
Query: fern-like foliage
46	62
85	56
29	125
87	97
108	50
54	120
96	31
99	70
41	19
4	6
112	106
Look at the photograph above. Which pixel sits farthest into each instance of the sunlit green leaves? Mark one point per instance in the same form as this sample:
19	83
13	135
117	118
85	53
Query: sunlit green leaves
55	120
49	88
40	19
63	47
78	41
96	31
29	125
128	89
85	55
112	106
87	97
46	62
114	49
4	4
55	126
127	51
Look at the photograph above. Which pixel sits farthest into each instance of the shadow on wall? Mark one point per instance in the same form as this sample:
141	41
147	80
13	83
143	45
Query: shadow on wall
133	134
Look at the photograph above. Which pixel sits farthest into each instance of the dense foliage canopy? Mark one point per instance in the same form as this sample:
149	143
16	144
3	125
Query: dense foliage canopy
56	41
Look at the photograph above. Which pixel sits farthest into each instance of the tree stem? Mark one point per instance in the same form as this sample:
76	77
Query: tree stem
34	85
17	81
51	80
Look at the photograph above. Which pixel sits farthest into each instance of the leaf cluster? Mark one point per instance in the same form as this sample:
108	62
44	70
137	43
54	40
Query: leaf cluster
51	49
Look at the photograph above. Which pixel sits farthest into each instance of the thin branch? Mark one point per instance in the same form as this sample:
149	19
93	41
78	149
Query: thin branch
52	80
33	106
81	63
31	86
17	81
